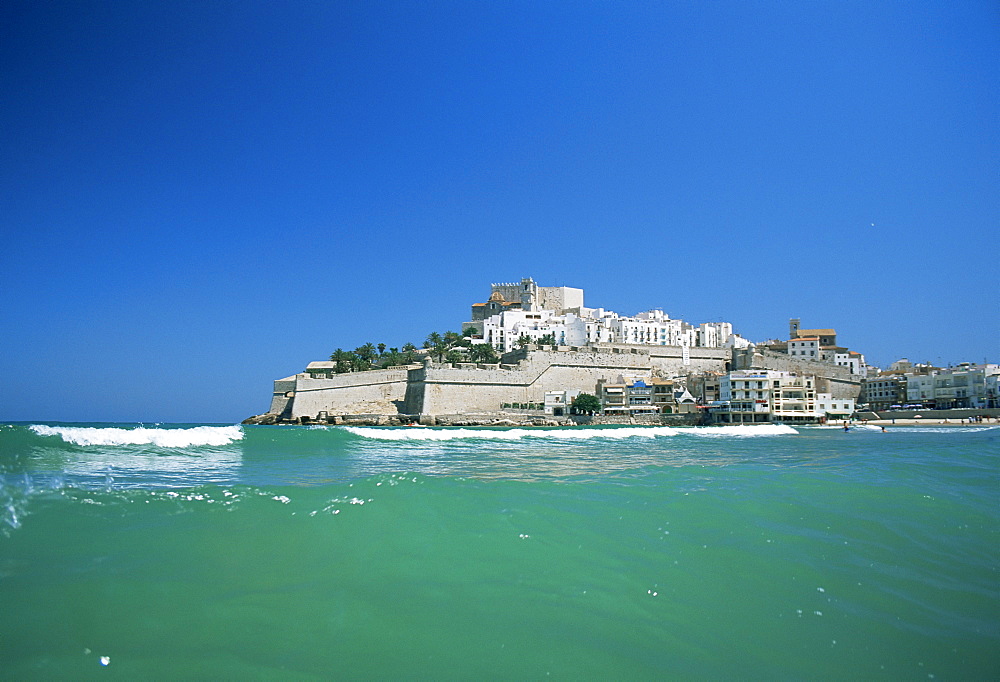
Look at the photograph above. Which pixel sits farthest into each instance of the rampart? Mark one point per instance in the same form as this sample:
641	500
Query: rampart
447	390
378	391
524	377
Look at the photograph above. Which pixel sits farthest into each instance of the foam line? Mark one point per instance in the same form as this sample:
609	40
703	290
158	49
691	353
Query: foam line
572	433
164	438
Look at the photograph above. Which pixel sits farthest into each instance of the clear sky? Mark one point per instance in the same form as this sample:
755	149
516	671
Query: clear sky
197	198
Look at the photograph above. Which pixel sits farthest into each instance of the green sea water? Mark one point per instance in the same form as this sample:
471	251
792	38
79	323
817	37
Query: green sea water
757	552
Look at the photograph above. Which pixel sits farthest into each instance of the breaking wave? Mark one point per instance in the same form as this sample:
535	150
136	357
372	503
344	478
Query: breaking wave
164	438
572	433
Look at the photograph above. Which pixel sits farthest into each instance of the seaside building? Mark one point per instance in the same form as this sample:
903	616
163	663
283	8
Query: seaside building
884	391
964	386
834	408
557	403
630	396
768	395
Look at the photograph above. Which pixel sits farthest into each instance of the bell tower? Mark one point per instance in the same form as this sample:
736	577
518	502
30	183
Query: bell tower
529	294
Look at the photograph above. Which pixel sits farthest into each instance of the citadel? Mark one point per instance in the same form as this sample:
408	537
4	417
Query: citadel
646	368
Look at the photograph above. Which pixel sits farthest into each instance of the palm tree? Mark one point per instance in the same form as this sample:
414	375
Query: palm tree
548	340
440	348
341	357
524	340
366	352
358	363
483	352
453	356
433	339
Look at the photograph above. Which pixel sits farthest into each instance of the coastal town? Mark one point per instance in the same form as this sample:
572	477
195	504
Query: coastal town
531	354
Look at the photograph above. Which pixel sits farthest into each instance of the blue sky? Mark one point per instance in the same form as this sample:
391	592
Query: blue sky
197	198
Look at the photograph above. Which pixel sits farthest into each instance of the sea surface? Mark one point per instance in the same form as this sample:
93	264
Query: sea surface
188	551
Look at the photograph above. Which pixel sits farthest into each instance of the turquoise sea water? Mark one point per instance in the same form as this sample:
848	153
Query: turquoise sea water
758	552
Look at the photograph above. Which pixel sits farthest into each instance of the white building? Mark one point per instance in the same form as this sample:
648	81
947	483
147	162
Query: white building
767	395
964	386
920	389
557	403
585	326
805	348
834	408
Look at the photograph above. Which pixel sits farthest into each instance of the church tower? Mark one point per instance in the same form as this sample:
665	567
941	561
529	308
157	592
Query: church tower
529	294
793	328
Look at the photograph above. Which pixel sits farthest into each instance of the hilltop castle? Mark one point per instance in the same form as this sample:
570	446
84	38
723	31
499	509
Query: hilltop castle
553	347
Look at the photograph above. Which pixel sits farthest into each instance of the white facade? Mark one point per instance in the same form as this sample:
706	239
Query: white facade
584	326
750	395
557	403
965	386
920	389
853	360
834	408
807	348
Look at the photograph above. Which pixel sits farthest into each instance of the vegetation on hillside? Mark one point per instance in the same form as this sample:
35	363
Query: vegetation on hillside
450	347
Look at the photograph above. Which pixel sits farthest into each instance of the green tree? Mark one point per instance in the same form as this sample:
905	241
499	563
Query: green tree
470	332
359	362
453	356
366	353
439	349
585	404
524	340
548	340
483	352
342	359
381	349
409	352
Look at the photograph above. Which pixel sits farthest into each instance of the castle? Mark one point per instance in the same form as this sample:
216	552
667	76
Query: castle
552	346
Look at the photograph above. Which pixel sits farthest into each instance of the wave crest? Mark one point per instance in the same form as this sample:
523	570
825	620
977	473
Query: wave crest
571	433
164	438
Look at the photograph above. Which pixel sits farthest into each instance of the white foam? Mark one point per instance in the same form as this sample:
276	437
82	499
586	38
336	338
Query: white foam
743	430
571	433
164	438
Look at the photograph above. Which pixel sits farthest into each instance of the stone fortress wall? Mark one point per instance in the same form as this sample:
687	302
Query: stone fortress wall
378	391
476	389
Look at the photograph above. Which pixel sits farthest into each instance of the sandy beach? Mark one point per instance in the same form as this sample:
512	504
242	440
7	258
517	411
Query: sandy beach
927	421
